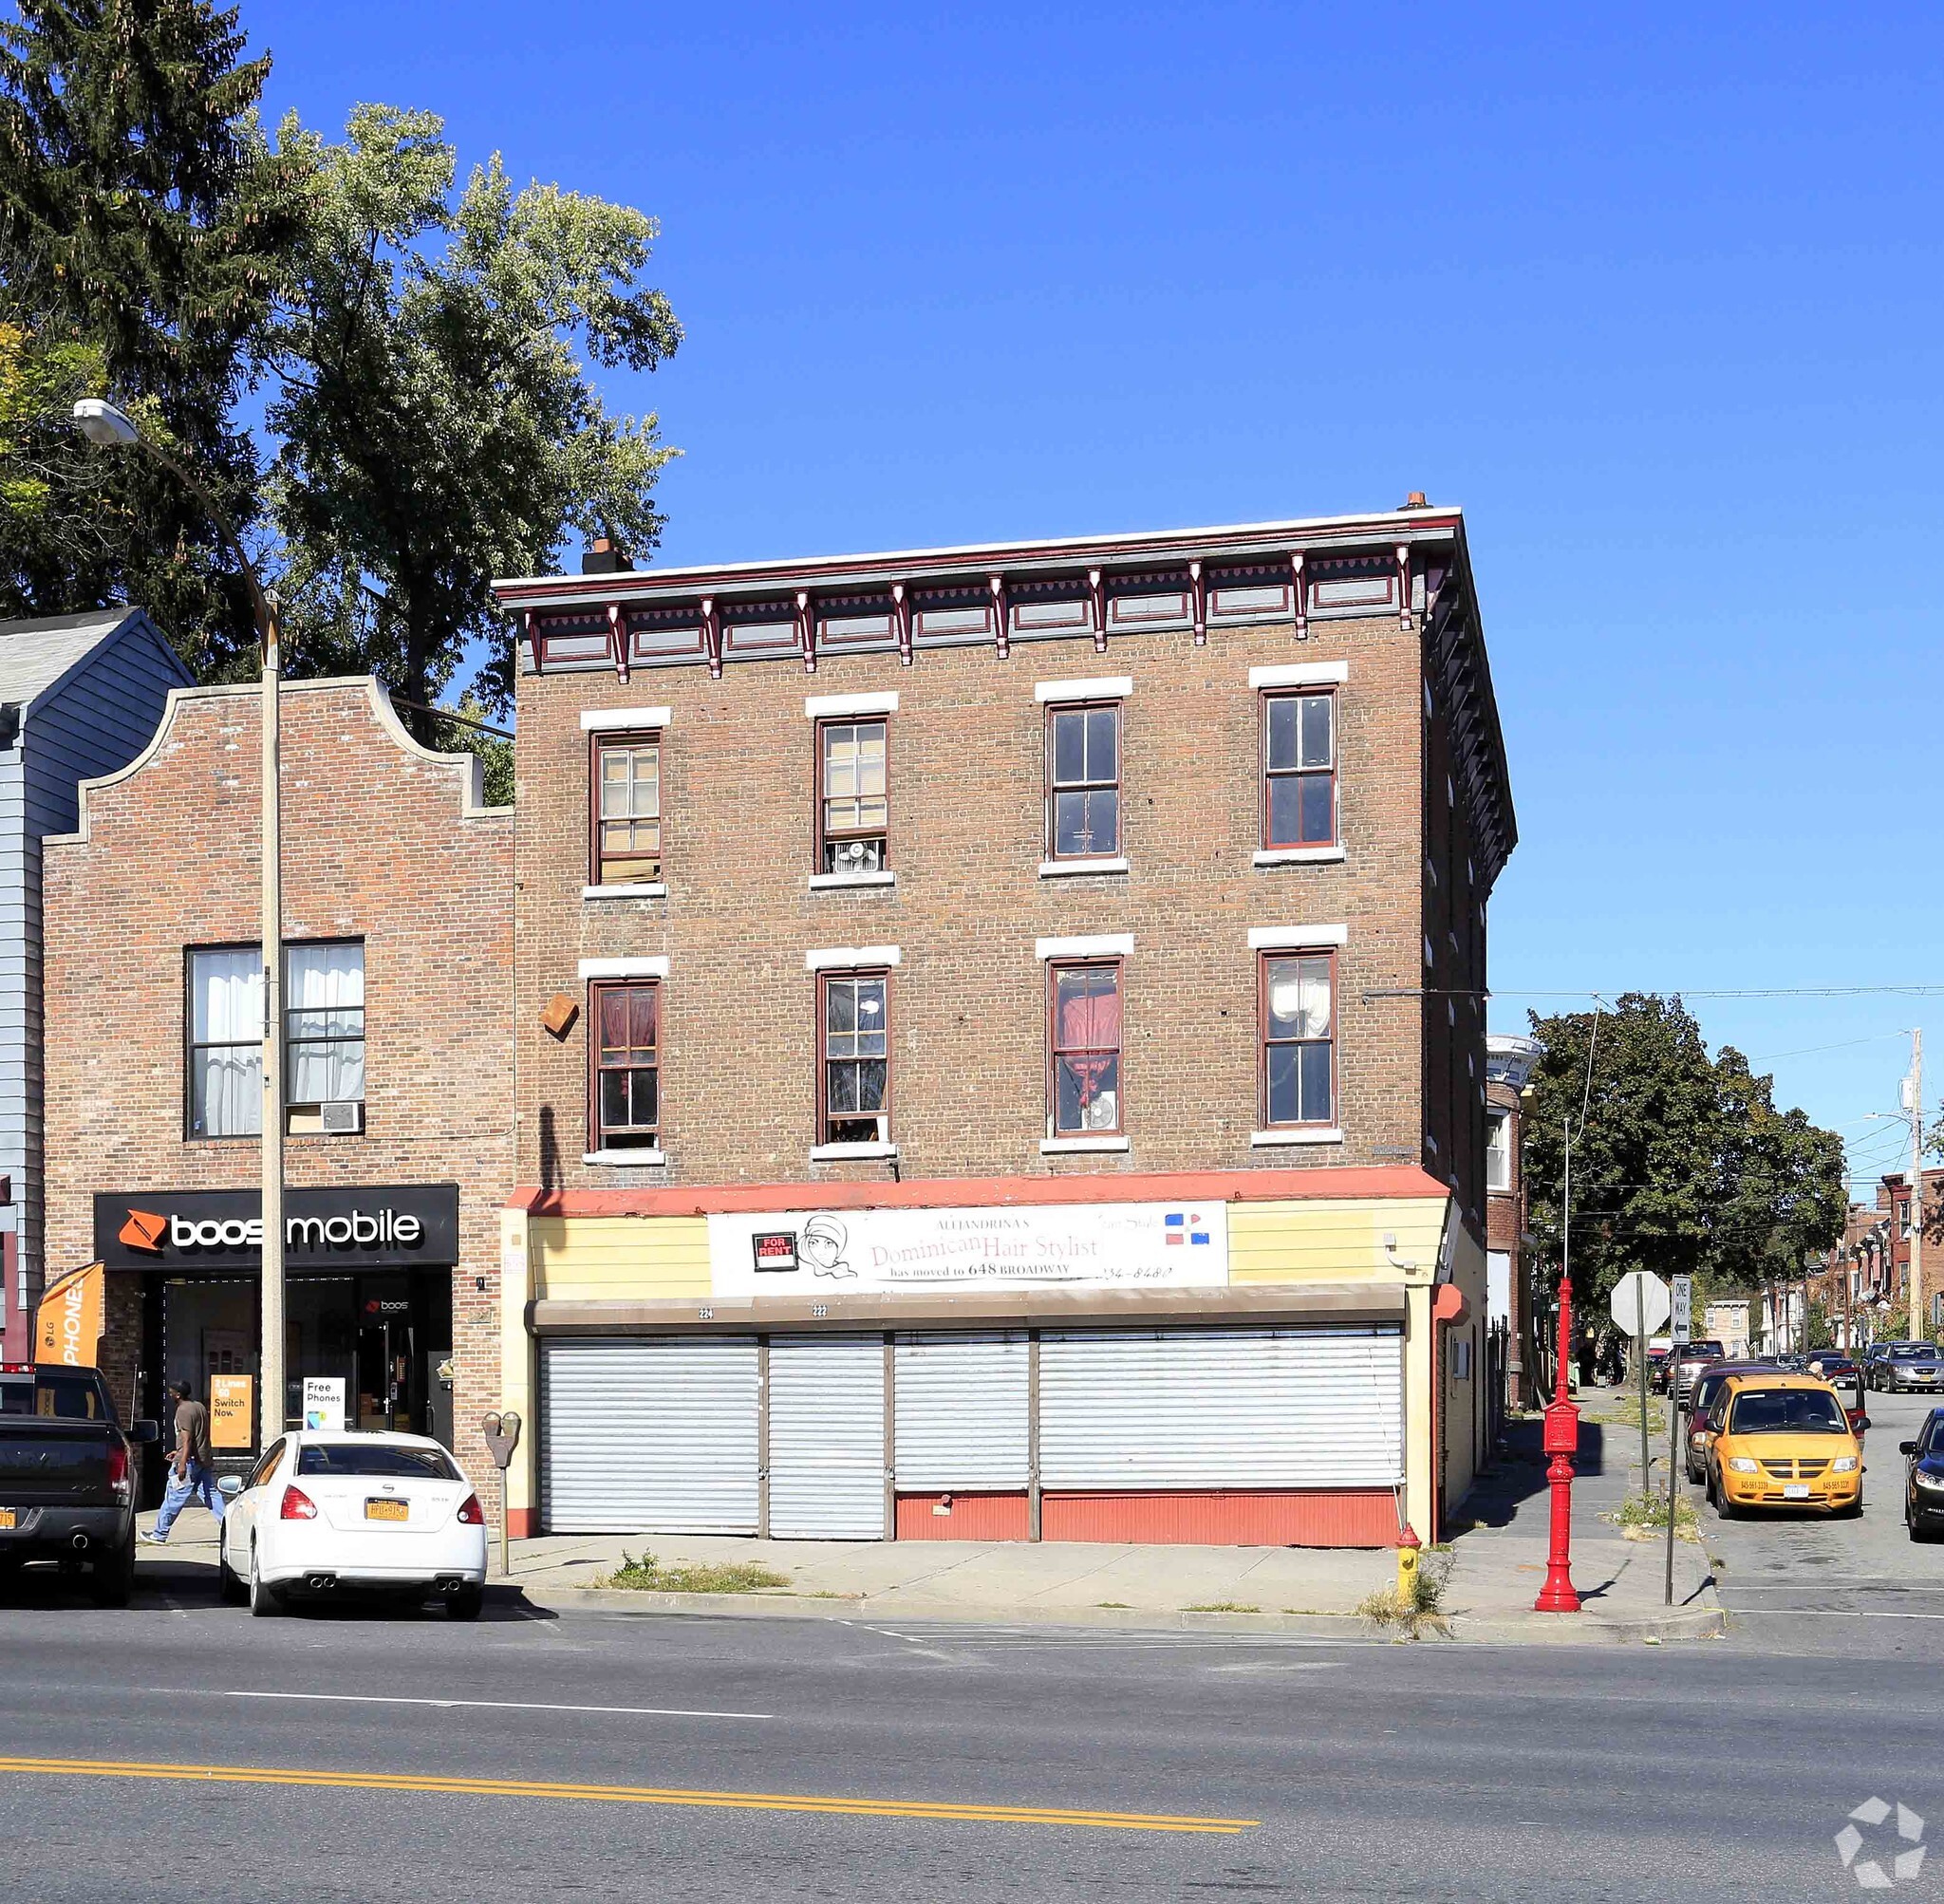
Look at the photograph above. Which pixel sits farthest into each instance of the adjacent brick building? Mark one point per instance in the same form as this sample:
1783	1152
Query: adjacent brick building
398	934
1864	1283
1510	1298
1000	1039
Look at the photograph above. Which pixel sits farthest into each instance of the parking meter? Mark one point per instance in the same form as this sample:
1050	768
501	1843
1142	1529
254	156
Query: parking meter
502	1431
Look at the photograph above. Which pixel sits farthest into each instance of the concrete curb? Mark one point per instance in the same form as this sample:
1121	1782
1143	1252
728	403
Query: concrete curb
1514	1630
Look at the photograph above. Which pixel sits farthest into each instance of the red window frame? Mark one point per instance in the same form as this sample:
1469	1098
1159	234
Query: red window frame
825	1120
1270	775
1055	709
599	991
1265	1043
826	834
1057	1049
598	744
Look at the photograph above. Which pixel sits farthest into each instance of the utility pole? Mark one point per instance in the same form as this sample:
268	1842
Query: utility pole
1918	1327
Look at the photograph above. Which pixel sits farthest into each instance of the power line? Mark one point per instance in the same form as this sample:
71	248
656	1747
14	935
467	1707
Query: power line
1744	992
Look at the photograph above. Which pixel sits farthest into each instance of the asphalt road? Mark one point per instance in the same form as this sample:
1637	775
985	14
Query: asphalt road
1858	1587
1329	1770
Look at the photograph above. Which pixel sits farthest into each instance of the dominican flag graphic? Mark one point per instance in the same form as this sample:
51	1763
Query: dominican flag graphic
1179	1226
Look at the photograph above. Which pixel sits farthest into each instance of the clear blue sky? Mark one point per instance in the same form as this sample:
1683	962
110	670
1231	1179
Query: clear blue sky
1653	291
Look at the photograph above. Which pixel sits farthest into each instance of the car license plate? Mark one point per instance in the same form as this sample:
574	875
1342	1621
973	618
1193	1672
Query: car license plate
398	1510
1795	1490
8	1521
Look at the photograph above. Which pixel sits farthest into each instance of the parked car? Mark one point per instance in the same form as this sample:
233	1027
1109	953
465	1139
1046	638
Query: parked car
1832	1365
68	1475
1924	1478
1783	1440
1685	1363
328	1514
1708	1385
1910	1366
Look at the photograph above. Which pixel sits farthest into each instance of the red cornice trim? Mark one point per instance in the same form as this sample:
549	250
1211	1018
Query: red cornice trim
1207	1186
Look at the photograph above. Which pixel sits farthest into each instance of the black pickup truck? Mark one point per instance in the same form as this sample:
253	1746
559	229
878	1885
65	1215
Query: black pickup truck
67	1477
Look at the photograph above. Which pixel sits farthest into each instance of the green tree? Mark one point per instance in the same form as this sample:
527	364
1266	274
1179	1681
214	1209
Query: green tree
1682	1166
438	423
144	226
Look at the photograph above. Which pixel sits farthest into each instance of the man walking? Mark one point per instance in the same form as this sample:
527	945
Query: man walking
191	1474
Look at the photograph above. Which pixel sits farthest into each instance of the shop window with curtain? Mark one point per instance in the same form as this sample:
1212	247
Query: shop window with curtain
1086	1034
1299	1039
855	1059
324	1039
226	1042
324	1036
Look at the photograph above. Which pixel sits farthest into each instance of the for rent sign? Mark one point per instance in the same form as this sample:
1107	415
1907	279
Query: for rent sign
798	1253
387	1224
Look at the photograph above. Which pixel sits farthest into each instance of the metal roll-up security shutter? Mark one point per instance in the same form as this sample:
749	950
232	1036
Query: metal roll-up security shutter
827	1438
1222	1407
960	1411
651	1436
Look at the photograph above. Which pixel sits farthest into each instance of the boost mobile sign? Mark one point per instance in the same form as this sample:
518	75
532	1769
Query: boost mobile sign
386	1225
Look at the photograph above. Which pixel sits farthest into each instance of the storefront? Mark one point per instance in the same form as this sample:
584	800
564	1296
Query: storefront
367	1303
1219	1365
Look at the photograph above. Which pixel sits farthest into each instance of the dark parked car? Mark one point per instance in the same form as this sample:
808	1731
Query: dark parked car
1685	1363
1924	1478
67	1477
1833	1366
1912	1368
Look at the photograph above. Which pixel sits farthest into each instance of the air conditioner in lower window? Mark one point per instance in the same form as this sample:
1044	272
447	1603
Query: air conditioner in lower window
343	1119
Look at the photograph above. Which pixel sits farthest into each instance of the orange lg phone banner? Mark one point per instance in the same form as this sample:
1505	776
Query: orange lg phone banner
68	1324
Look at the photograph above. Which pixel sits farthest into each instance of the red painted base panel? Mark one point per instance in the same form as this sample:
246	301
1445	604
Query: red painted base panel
522	1524
972	1516
1225	1517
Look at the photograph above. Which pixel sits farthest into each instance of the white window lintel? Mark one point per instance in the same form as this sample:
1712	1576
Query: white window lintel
830	706
646	888
1300	674
655	967
1099	687
1088	945
624	720
850	958
1296	938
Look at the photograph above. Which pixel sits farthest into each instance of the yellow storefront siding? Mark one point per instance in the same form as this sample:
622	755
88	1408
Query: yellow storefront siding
1333	1241
645	1259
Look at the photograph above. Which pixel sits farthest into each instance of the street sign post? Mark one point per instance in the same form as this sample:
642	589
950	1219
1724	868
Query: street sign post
1682	1333
1640	1303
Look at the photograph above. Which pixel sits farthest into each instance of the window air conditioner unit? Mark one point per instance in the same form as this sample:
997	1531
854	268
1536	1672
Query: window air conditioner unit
343	1119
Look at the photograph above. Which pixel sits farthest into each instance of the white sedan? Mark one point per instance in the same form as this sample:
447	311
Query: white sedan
372	1513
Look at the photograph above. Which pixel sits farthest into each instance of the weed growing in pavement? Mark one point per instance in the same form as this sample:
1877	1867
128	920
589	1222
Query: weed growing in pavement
1640	1516
644	1573
1627	1414
1422	1609
1222	1607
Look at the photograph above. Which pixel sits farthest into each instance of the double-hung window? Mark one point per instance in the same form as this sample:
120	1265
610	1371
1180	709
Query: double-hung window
1299	769
1083	1086
1083	780
323	1039
624	1062
1498	1150
853	806
627	793
1299	1039
853	1057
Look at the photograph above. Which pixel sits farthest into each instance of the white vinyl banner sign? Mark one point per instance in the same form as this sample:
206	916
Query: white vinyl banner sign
803	1253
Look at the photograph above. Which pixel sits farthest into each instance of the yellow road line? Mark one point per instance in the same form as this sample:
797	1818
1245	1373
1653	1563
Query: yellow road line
640	1794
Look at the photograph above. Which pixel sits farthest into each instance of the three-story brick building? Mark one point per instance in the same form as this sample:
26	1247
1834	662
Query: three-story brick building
1000	1039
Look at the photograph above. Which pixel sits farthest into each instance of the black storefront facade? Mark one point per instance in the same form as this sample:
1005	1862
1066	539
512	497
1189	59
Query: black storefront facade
367	1302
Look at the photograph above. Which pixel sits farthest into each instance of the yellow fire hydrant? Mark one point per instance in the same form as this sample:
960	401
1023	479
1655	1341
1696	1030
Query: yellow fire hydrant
1408	1549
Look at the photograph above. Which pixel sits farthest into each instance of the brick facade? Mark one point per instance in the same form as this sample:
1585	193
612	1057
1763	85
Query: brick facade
381	841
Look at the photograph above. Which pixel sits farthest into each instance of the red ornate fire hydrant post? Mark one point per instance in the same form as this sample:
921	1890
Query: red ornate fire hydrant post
1561	1442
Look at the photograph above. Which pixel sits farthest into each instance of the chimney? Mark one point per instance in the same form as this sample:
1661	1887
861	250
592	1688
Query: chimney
1415	501
603	557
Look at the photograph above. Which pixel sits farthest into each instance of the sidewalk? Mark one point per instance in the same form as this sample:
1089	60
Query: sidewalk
1496	1566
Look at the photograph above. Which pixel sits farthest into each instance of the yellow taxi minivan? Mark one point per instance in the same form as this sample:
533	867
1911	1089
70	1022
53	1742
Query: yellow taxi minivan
1783	1440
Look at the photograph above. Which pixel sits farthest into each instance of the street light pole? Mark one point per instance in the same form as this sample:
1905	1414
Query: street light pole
107	427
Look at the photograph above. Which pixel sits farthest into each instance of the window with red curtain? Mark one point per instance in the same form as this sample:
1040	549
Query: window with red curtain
625	1047
1085	1083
